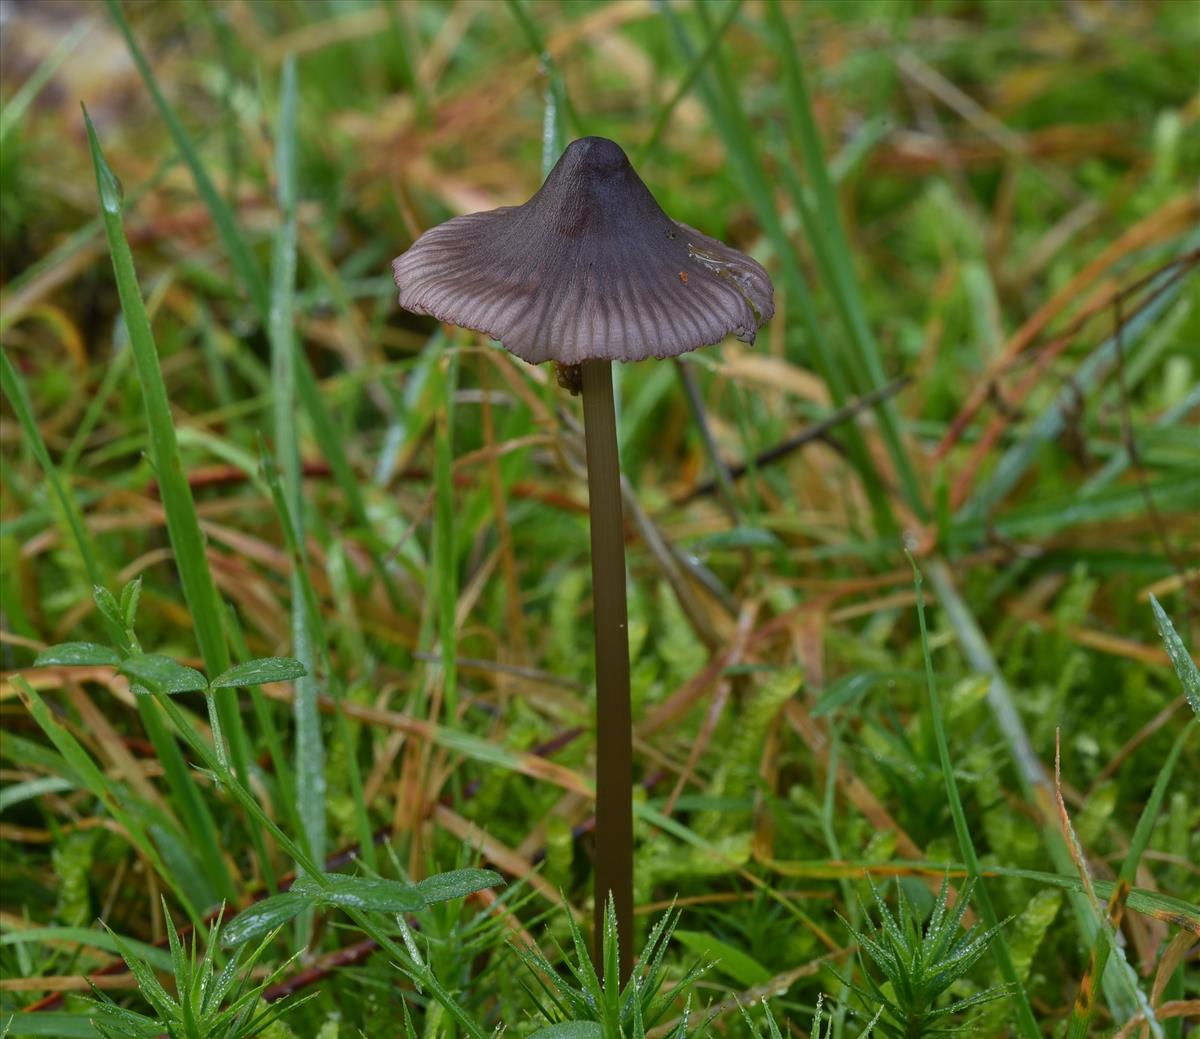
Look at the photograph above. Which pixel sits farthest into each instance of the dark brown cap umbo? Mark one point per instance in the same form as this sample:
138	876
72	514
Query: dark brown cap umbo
590	267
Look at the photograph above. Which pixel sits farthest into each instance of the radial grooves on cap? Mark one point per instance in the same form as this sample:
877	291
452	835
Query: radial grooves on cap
590	267
548	305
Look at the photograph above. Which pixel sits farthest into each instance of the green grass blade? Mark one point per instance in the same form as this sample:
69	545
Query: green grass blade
310	746
687	81
329	445
250	273
1181	659
182	524
445	553
14	389
566	112
183	527
833	251
281	334
325	432
248	270
318	646
215	361
220	769
1026	1022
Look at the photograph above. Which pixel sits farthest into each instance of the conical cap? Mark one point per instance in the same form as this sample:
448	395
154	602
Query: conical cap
590	267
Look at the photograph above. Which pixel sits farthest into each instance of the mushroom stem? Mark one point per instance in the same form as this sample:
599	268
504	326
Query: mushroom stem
614	718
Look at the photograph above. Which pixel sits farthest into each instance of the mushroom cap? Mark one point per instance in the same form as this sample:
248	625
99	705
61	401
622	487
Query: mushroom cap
590	267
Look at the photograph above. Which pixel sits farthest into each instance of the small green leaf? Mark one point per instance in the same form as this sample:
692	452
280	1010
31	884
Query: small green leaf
571	1030
77	654
457	883
369	893
265	916
131	595
1181	659
110	189
260	671
376	894
163	673
107	604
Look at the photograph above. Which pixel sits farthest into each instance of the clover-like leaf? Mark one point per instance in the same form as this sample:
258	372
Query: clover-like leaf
371	893
78	654
265	916
457	883
107	604
260	671
163	673
131	595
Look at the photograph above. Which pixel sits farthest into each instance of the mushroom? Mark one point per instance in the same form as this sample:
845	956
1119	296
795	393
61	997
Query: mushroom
589	271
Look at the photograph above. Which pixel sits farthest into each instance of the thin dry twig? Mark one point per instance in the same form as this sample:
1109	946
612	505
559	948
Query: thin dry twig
814	432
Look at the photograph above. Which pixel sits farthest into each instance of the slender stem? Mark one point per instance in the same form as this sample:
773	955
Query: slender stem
614	718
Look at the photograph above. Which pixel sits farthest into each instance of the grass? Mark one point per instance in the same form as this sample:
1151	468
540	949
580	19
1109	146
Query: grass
356	546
